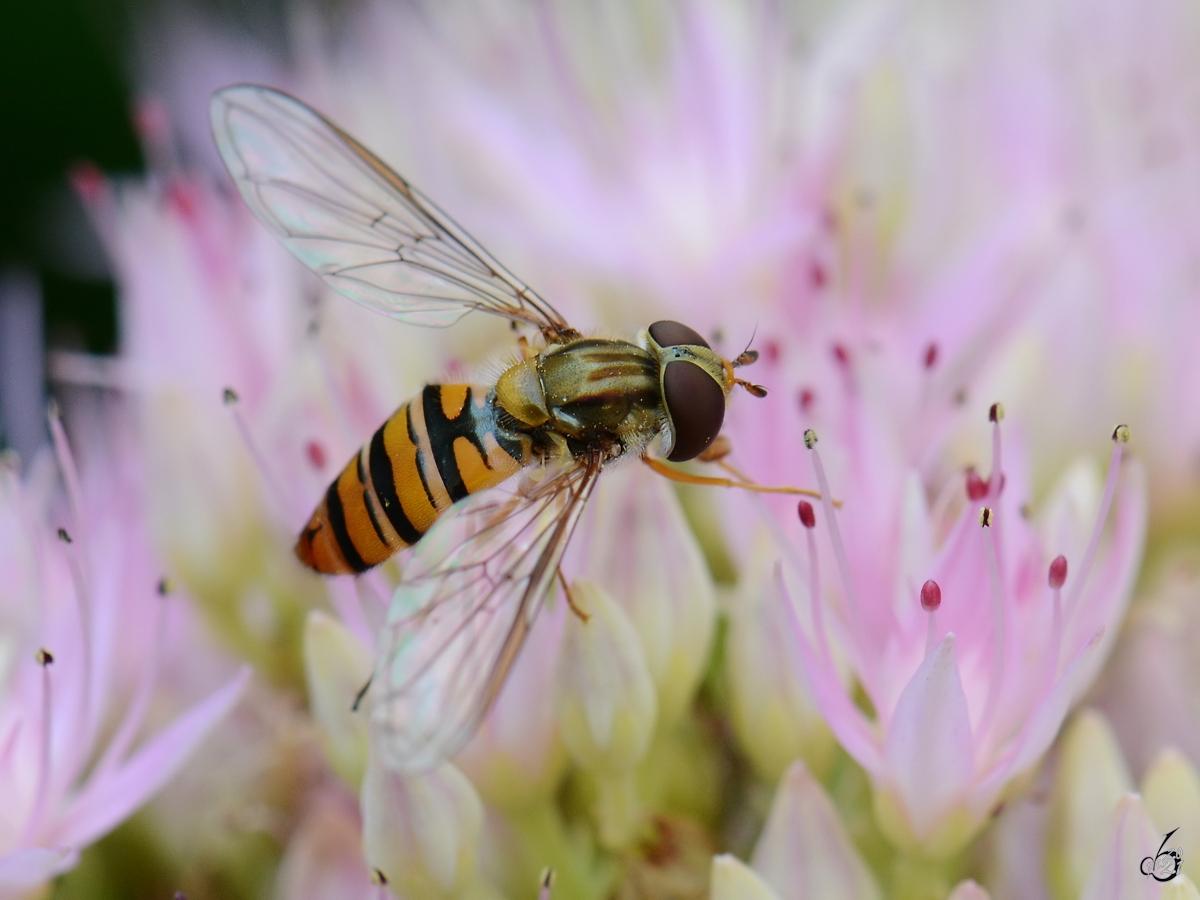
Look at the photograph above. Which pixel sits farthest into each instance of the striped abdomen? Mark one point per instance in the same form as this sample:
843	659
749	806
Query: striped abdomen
433	451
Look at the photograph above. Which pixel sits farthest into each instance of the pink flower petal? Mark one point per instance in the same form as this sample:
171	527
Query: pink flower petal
845	720
929	748
107	802
804	851
23	870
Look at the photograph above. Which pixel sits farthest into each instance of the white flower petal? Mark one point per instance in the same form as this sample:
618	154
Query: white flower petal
732	879
422	830
336	666
929	745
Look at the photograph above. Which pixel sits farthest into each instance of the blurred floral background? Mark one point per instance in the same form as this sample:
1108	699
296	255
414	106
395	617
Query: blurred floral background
964	240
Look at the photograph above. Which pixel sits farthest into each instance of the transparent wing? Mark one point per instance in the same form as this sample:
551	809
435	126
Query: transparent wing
355	222
462	613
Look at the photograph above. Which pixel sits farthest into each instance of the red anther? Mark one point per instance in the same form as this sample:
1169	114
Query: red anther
841	354
995	412
88	181
931	596
771	351
1058	571
807	399
315	453
808	518
184	197
931	356
151	121
977	488
817	275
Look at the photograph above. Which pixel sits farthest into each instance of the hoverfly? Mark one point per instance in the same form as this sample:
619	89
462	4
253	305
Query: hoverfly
556	417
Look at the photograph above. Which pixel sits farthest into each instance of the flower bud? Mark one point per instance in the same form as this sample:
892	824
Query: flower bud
969	890
606	706
605	694
1171	792
1182	888
732	879
324	857
643	552
804	851
1125	836
336	667
422	831
773	715
1091	780
516	758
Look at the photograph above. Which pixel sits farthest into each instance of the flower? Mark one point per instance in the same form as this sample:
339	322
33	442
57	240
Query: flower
85	634
908	205
969	677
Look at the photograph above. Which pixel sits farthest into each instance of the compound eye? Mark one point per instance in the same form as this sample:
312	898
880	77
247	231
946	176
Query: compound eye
696	405
671	334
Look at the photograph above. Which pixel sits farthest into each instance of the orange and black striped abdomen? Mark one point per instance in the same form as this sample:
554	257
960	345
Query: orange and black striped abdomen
434	450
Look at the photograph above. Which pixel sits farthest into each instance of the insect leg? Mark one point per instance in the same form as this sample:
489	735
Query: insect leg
362	692
687	478
583	616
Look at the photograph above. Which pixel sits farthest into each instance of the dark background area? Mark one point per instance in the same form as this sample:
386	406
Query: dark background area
64	100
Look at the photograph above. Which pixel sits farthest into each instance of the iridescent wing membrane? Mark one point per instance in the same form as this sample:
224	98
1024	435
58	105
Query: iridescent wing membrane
355	222
467	602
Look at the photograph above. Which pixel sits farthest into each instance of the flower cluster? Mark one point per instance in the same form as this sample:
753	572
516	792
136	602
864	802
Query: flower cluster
87	626
910	212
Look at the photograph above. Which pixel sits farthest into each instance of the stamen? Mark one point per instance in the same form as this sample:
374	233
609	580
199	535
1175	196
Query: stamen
839	554
135	713
995	481
999	636
1120	437
77	560
808	519
70	473
1058	576
45	659
547	883
282	498
931	600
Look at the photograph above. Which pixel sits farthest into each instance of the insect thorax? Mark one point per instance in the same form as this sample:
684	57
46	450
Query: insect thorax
592	392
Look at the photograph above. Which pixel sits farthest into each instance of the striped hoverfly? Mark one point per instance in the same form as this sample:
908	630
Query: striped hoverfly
551	422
